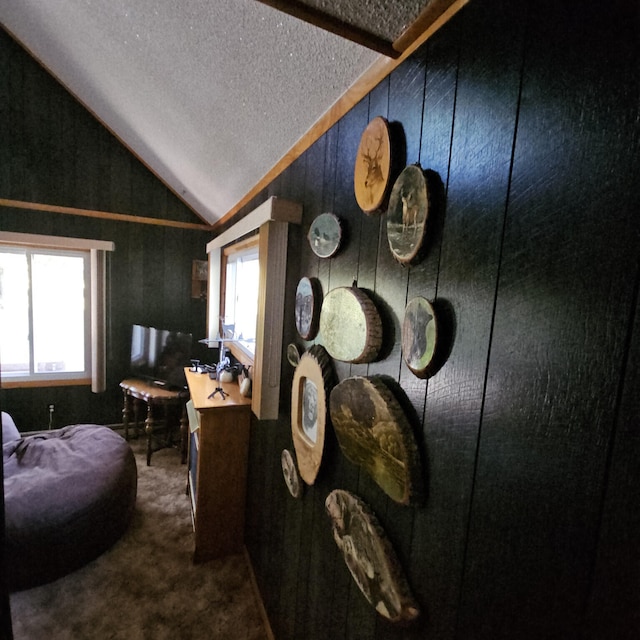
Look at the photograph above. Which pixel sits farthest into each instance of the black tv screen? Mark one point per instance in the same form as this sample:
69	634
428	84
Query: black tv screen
160	355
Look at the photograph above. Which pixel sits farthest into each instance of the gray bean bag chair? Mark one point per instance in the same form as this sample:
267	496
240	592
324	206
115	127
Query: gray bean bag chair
69	496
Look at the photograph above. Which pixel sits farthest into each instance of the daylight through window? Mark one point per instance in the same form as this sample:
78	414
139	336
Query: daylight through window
51	310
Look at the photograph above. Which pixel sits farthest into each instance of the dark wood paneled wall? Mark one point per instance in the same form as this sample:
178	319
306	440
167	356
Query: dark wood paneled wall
528	113
53	152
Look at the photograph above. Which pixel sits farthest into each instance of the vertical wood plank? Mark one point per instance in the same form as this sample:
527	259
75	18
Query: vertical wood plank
560	333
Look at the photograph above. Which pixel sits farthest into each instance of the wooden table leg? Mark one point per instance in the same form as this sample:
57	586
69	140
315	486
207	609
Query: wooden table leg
184	434
125	414
136	415
148	427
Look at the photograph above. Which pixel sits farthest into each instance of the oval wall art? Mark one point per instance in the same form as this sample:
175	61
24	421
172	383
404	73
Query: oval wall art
372	171
307	308
370	557
407	215
325	235
350	325
419	336
312	383
374	434
290	473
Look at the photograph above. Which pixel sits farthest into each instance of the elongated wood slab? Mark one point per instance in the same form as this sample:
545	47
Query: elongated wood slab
370	557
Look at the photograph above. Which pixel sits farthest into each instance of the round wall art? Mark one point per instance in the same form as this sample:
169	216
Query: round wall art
325	235
419	336
407	215
312	383
350	325
372	171
375	434
307	309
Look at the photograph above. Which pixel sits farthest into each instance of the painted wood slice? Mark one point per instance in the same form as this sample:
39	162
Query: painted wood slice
370	557
372	172
374	434
350	325
325	235
312	383
407	215
293	354
290	473
307	308
419	336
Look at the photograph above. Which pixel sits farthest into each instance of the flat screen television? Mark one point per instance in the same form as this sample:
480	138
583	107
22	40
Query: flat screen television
160	355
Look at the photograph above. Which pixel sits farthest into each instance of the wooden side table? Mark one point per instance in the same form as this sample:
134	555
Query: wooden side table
136	391
217	471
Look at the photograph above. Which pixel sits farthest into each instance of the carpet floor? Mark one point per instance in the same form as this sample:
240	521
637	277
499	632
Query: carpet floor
146	586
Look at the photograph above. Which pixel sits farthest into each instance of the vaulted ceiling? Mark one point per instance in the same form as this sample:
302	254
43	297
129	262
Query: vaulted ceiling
215	95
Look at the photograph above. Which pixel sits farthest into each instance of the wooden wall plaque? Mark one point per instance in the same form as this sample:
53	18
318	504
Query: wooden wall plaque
419	336
307	308
370	557
407	215
312	383
325	235
350	325
290	474
375	434
372	171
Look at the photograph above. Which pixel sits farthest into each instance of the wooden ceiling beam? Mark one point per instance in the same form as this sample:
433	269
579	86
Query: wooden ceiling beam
330	23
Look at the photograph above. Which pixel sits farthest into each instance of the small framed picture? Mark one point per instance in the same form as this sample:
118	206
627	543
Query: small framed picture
307	307
419	336
325	235
407	215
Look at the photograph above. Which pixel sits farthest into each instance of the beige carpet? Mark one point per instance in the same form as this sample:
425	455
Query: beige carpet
146	587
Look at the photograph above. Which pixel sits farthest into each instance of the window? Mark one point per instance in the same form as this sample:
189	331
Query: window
239	304
271	220
51	311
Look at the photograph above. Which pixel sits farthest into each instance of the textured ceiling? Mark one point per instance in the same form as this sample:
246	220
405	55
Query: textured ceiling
209	94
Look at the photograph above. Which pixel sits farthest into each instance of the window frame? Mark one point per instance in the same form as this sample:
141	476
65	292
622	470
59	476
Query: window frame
271	219
250	244
96	297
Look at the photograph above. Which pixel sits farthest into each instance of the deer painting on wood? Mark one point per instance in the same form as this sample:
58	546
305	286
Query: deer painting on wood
371	158
407	215
409	211
373	166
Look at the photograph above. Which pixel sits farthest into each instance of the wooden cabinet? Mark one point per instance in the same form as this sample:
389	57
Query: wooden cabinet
217	478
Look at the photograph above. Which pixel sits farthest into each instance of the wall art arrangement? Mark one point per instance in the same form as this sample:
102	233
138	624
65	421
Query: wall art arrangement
370	557
419	337
313	380
350	325
368	413
372	171
375	434
307	307
325	235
